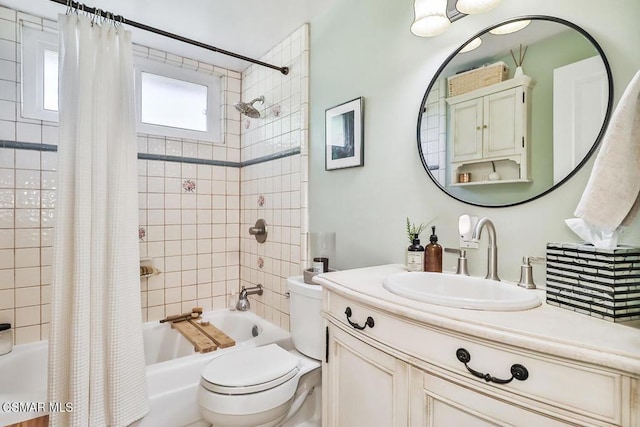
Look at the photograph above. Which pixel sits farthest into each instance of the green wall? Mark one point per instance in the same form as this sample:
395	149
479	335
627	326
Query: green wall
540	61
365	48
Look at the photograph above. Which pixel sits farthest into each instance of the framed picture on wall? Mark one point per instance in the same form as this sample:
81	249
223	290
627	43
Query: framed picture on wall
344	135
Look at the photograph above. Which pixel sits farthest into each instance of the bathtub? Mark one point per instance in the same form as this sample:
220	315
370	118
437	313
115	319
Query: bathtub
23	378
173	369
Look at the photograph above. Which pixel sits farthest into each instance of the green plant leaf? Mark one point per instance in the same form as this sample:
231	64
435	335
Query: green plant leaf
414	230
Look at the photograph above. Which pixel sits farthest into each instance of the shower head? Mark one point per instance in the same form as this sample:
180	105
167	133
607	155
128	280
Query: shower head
248	109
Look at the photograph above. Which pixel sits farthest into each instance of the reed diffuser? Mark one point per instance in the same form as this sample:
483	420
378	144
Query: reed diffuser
519	72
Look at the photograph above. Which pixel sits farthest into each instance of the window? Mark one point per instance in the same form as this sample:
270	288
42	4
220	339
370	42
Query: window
170	100
177	102
39	74
50	80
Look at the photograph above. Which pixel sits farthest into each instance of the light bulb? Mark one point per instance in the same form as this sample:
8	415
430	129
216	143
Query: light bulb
511	27
430	18
473	7
473	44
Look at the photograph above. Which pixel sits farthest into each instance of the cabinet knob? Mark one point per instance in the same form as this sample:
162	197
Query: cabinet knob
485	126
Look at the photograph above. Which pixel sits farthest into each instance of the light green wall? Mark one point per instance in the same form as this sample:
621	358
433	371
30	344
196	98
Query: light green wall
540	61
365	48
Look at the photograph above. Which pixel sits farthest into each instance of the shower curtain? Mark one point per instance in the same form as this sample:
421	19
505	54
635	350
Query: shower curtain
96	355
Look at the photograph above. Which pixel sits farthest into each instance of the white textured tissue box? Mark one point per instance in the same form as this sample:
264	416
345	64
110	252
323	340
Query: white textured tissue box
603	283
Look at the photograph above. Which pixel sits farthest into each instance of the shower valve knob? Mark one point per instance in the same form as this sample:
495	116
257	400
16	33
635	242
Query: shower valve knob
259	231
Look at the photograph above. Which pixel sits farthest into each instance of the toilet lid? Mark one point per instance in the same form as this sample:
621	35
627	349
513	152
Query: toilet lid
250	370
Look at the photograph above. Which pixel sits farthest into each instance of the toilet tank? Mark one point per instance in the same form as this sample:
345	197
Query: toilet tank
305	321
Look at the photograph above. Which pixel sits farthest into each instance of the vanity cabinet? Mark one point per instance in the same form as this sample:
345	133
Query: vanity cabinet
437	400
491	124
395	371
367	387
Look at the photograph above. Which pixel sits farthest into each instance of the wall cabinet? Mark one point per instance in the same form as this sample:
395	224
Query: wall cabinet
488	125
403	373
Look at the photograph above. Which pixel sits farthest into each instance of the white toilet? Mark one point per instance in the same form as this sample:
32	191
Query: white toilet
270	386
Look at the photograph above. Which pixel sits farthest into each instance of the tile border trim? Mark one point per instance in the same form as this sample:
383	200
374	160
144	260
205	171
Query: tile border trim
161	157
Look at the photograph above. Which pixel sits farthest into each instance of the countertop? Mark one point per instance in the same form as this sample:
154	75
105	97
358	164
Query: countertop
546	329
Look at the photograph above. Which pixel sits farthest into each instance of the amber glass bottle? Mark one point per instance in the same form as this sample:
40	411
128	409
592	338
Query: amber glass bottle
433	254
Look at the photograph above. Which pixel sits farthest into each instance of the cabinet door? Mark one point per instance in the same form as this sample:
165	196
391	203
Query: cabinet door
466	130
437	401
502	123
362	386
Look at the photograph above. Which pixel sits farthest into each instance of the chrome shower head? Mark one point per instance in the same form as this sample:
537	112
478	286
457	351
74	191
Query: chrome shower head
248	109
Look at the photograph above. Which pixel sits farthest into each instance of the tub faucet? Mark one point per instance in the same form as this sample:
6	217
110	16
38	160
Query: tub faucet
492	248
243	301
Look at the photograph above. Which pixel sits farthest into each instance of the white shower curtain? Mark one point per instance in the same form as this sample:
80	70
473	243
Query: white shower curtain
96	355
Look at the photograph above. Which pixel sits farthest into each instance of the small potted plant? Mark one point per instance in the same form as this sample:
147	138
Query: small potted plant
415	252
413	230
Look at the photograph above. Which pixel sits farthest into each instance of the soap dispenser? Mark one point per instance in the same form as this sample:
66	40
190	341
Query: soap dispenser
415	255
433	254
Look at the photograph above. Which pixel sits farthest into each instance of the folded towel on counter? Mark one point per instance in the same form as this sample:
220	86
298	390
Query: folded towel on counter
610	199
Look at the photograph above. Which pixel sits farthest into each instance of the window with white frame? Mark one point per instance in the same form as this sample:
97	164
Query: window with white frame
177	102
39	74
170	100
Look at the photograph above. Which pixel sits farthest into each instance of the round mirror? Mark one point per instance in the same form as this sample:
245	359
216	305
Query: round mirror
515	111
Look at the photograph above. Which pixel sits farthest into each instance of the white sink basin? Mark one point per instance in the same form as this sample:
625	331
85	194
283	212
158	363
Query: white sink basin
458	291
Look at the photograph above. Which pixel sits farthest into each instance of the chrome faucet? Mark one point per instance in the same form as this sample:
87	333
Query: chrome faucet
492	248
243	301
462	260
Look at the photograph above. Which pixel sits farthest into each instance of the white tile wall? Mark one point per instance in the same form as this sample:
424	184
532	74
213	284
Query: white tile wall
193	236
276	190
433	130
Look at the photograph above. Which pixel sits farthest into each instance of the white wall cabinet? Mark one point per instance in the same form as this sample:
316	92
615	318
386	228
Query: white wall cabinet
404	373
488	125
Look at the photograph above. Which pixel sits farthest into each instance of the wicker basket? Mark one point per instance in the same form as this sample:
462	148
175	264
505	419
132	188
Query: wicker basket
477	78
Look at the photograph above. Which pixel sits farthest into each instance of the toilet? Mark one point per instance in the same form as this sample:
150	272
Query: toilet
268	385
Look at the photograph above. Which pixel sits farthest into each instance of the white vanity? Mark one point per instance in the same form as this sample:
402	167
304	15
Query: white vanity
395	361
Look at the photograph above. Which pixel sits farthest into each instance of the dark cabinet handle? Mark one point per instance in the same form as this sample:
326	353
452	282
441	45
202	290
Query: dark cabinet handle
518	371
369	322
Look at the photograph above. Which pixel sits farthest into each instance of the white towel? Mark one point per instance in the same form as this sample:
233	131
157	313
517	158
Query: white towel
611	196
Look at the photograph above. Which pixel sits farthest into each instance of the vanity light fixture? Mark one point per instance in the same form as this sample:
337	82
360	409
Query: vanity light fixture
511	27
473	7
433	17
430	18
473	44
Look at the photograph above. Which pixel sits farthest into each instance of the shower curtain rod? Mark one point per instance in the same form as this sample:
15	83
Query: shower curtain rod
123	20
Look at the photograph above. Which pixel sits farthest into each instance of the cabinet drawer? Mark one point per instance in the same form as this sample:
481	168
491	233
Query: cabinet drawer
437	401
586	391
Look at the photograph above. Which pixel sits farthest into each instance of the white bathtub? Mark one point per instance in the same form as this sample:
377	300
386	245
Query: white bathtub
23	378
173	369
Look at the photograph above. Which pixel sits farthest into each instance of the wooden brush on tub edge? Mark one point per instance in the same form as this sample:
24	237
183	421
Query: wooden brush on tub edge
195	313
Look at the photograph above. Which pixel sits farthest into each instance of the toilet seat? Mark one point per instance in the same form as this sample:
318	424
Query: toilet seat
250	370
267	385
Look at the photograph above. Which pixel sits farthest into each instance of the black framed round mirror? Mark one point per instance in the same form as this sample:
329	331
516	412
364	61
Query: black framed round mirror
514	118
